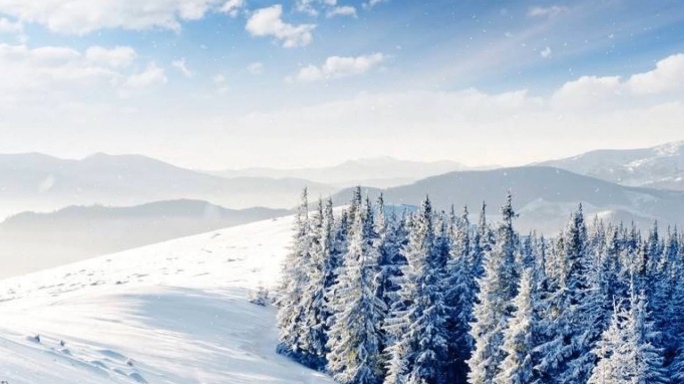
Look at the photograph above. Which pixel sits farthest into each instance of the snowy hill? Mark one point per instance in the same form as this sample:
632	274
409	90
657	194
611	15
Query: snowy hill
33	241
382	172
175	312
543	196
36	182
656	167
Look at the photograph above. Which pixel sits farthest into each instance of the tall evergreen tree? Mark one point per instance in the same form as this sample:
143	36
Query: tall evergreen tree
572	332
520	337
420	353
627	350
460	291
315	309
355	336
294	281
494	306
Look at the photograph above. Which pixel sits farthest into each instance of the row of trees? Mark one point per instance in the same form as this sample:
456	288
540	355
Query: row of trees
427	297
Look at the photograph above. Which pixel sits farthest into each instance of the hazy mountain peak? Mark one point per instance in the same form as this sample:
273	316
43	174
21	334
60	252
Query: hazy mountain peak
661	166
670	149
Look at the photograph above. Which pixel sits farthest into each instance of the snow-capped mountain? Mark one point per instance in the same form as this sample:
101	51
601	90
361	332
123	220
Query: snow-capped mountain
543	196
175	312
381	172
36	182
44	240
656	167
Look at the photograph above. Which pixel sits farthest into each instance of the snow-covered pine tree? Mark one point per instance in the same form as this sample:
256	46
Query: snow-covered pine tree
611	357
497	288
355	335
644	340
460	291
576	323
389	242
628	351
291	321
395	325
331	237
315	310
520	337
420	353
483	241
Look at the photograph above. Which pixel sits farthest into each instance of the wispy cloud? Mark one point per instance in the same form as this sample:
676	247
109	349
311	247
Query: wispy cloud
233	7
551	11
182	66
341	11
150	77
221	84
256	68
118	57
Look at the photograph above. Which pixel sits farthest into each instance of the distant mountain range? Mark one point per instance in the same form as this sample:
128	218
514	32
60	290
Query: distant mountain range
383	172
621	185
38	182
42	240
543	196
657	167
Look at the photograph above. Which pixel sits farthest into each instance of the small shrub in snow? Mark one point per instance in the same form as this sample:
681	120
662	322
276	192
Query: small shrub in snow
259	297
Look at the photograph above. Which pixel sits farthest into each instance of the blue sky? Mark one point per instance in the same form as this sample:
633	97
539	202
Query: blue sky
236	83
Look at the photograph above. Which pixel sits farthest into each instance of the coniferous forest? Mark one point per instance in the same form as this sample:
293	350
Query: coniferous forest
430	297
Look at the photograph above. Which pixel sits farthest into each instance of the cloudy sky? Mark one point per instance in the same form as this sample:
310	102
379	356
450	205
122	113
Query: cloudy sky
236	83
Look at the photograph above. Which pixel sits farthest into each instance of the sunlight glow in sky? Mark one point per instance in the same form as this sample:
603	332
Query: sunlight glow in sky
236	83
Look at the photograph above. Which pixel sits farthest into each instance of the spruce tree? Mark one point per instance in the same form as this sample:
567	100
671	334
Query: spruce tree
294	281
420	352
628	351
494	306
460	291
520	336
315	309
575	318
355	336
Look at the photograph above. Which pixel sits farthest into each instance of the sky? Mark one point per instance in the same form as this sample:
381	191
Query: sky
216	84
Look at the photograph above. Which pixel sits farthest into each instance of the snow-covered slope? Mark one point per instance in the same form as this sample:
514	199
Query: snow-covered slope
34	241
656	167
175	312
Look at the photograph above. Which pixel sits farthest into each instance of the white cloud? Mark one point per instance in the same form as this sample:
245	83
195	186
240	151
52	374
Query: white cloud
546	52
43	70
336	66
84	16
588	93
182	66
256	68
268	22
221	84
151	76
233	7
341	11
373	3
7	26
591	92
551	11
118	57
306	6
666	77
